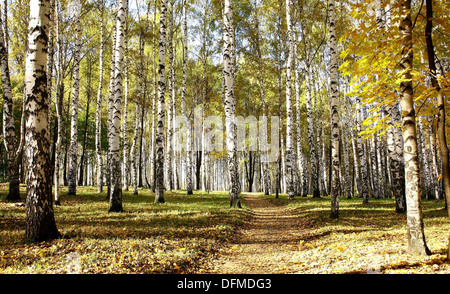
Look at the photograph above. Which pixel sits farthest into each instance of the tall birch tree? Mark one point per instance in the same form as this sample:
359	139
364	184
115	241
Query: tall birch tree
189	185
73	152
290	187
415	231
58	105
115	196
98	109
40	220
171	92
335	162
229	102
159	161
9	128
440	104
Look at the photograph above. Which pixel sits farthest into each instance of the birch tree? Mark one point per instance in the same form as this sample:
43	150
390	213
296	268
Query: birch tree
73	152
9	129
171	104
40	220
159	161
289	114
335	162
229	102
188	172
443	146
264	165
98	109
126	149
58	105
115	196
415	232
361	154
300	157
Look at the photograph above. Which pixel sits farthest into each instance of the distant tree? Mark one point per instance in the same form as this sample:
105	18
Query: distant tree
98	111
13	152
73	153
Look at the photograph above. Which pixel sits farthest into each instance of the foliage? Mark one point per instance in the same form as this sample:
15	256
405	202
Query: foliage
372	54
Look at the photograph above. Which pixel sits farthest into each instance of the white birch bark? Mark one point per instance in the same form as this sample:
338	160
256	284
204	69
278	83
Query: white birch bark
115	196
126	149
159	172
40	221
154	99
361	154
98	110
73	152
335	161
300	158
290	162
230	103
133	151
188	172
58	103
415	231
170	108
311	141
9	129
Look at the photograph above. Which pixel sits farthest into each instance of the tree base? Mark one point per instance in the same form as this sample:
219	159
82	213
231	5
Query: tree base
14	191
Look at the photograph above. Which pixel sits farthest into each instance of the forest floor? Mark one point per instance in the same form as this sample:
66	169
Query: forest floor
200	234
283	237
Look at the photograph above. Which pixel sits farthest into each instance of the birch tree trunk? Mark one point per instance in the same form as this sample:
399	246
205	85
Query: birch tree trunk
434	171
81	178
115	197
189	185
415	232
126	149
300	158
9	129
154	99
98	111
290	187
159	172
264	165
112	84
133	151
230	103
361	154
335	162
170	108
345	150
40	220
440	104
73	152
312	143
58	105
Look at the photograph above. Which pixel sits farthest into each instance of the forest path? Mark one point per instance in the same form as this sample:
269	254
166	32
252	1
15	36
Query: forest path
266	243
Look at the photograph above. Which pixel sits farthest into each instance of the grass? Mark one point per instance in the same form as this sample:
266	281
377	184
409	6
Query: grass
188	232
366	236
174	237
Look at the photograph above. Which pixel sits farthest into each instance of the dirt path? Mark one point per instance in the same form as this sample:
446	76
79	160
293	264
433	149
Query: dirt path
265	244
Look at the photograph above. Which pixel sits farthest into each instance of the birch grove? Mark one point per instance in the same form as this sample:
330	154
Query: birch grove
336	101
